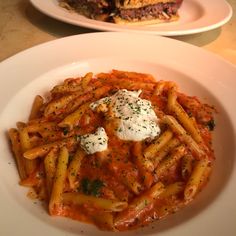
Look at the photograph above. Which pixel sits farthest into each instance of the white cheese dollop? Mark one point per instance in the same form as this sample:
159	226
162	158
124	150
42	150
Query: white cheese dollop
137	119
96	142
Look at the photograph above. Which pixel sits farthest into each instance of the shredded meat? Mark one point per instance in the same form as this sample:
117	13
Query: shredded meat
105	9
159	10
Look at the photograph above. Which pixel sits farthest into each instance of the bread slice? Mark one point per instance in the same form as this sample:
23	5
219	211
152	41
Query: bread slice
120	21
127	4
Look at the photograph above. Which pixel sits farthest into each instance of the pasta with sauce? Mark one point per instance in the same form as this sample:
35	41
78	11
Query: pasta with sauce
117	150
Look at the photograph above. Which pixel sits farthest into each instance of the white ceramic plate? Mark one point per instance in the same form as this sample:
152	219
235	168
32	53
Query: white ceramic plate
197	72
195	16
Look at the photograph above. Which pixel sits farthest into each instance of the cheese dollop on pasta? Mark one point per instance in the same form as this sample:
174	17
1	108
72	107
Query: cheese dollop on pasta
137	119
96	142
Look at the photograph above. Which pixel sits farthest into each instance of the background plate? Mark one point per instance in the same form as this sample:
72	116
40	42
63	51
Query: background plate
195	16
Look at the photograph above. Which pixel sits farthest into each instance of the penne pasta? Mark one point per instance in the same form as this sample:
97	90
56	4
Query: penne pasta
68	86
172	189
35	110
104	220
55	106
162	153
73	119
16	148
134	76
172	97
118	149
41	151
39	127
161	141
50	169
132	184
144	165
177	128
20	125
195	179
101	203
30	165
59	180
186	166
188	123
171	160
139	204
141	160
74	167
85	81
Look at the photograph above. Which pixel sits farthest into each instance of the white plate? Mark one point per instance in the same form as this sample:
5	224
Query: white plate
195	16
197	72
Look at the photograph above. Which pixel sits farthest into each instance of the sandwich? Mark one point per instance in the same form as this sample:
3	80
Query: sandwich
142	12
94	9
137	12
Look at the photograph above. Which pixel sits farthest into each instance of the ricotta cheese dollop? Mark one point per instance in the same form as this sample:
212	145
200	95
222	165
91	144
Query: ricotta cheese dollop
137	119
95	142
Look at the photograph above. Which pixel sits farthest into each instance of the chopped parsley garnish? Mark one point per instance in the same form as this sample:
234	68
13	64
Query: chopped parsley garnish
91	187
70	158
211	125
65	131
77	138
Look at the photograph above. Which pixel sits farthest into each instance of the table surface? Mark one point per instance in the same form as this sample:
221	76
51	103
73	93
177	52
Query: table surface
22	26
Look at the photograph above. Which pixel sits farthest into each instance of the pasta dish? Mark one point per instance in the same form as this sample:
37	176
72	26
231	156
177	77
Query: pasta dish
118	150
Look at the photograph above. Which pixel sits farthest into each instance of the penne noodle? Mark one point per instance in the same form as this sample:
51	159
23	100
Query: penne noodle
144	165
127	176
16	148
74	167
140	158
172	97
178	129
101	91
162	153
192	186
141	202
205	177
85	80
127	83
73	119
134	76
55	106
77	102
171	160
35	110
30	165
104	220
187	122
20	125
59	180
101	203
172	189
132	184
50	169
159	88
167	209
68	86
161	141
41	151
37	127
24	139
34	179
186	166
